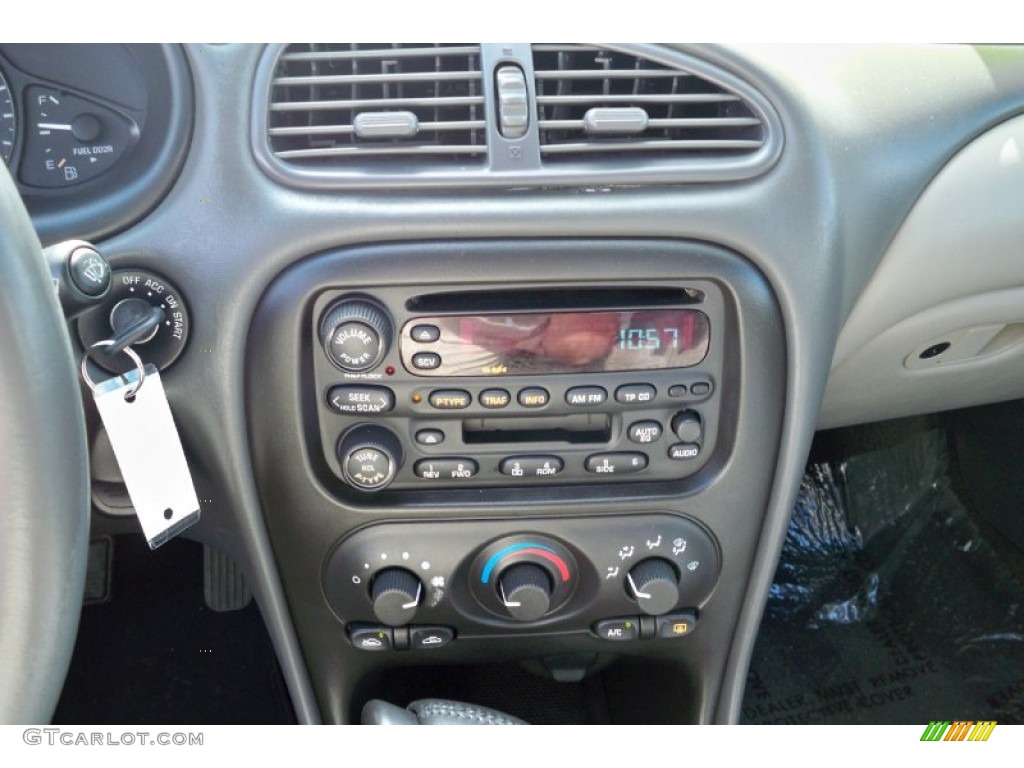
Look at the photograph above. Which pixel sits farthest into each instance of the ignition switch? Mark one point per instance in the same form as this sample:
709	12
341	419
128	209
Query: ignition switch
134	294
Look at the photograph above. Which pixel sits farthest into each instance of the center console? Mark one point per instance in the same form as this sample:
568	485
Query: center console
550	452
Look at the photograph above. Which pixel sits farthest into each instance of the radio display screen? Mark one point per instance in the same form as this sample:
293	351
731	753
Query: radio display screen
516	344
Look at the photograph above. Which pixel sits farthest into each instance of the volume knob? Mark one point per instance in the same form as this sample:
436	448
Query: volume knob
356	335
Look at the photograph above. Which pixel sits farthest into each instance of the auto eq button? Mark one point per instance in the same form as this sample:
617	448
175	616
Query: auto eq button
358	399
618	463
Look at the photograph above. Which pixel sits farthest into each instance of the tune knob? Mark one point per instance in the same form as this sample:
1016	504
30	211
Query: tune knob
396	596
356	335
655	585
525	591
369	456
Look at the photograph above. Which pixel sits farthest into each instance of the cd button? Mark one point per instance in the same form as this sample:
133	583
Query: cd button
533	397
426	361
620	463
586	397
635	394
450	399
425	333
494	398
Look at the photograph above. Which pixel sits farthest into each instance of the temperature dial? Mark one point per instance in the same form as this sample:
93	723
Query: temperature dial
525	590
369	457
356	335
396	595
655	585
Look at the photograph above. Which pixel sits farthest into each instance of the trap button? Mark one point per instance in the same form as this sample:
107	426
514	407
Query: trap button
618	630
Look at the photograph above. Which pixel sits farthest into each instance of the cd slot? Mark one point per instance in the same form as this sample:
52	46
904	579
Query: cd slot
559	299
574	430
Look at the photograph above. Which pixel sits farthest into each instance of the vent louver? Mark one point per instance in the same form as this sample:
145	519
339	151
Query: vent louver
593	101
370	103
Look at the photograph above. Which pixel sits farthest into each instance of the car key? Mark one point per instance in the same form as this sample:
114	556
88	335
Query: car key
146	444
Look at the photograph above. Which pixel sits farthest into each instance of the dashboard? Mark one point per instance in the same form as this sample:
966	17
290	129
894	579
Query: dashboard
497	354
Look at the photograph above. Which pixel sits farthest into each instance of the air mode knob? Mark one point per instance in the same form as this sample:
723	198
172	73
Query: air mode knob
369	456
396	595
655	585
525	591
356	335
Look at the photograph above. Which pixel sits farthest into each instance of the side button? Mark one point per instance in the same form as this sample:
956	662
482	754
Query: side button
617	630
370	638
621	463
428	638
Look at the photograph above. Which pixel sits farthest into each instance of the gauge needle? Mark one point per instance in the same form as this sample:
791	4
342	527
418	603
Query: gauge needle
54	126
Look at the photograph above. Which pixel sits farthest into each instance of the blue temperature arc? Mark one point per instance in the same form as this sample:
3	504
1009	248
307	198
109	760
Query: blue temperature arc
546	552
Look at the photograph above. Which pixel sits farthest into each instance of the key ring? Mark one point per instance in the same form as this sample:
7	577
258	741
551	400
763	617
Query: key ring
128	351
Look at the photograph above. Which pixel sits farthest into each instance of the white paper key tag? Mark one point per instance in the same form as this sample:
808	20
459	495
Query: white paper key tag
148	450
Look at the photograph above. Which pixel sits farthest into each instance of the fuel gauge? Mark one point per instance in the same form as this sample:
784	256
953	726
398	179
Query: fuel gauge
69	139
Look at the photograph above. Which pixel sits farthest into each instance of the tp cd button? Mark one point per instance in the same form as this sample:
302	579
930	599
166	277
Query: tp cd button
635	394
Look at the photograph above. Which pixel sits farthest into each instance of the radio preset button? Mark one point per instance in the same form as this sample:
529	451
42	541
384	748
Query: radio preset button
644	432
450	399
619	463
425	333
684	451
531	466
586	397
430	437
677	390
494	398
352	399
635	394
533	397
445	469
426	361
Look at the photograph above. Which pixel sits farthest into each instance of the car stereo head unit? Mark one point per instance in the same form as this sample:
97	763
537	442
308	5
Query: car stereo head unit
515	385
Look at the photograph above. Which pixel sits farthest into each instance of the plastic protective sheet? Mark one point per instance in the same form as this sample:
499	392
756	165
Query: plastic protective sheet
888	604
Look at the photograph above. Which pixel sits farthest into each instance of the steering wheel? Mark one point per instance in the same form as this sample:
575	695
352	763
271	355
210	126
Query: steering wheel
44	476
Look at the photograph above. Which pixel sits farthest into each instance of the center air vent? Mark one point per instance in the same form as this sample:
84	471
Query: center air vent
597	101
332	104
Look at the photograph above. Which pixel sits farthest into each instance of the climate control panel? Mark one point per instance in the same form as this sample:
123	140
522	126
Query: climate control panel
514	386
616	578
